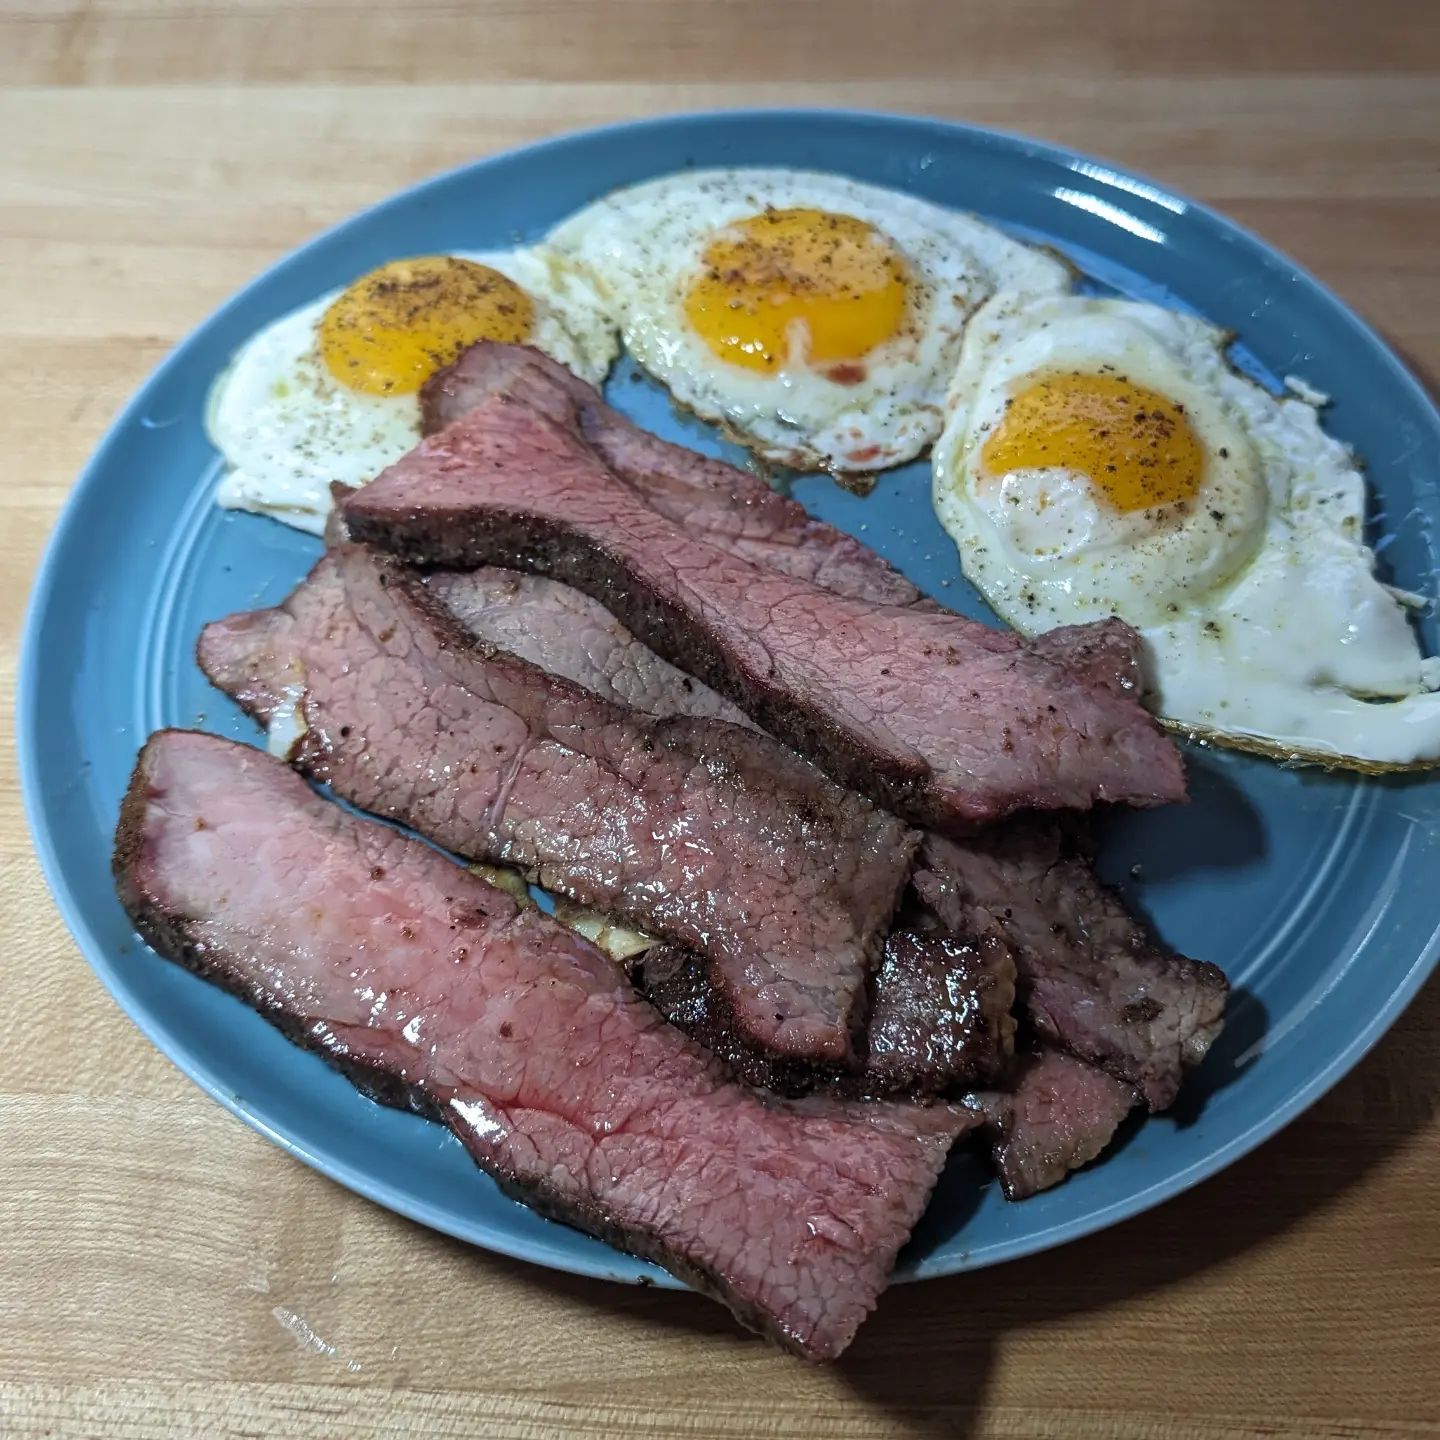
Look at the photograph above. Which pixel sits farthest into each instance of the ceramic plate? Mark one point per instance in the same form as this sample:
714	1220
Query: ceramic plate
1314	892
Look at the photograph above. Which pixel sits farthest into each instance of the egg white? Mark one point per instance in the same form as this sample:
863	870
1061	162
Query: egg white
287	427
1265	625
644	245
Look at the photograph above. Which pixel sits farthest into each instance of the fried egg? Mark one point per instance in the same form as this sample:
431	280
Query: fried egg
815	318
1103	457
331	391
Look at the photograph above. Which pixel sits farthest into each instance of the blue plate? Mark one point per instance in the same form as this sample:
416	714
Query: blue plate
1313	891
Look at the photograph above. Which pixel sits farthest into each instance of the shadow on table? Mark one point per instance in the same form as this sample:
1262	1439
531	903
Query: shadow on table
925	1358
927	1354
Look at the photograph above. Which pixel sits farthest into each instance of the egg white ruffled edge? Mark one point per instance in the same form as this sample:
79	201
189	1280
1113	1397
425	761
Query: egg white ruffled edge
767	457
1289	752
234	489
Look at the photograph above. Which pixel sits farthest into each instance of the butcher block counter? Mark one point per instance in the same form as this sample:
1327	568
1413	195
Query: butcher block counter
164	1271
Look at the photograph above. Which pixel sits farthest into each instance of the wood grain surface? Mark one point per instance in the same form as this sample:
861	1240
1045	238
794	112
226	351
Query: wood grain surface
164	1271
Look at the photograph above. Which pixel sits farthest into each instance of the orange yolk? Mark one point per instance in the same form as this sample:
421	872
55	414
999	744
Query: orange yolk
792	285
1137	446
393	328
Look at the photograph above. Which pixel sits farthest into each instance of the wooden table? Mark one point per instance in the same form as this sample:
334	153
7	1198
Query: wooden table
164	1271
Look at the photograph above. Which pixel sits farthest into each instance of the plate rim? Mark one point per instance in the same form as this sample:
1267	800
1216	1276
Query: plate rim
102	961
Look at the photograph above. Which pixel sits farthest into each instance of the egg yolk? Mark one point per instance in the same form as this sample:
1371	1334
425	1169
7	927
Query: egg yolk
797	285
1137	446
393	328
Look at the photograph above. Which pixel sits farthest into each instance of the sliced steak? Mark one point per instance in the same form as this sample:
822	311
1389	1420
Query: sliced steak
714	837
1055	1114
938	718
729	508
940	1019
564	631
523	1039
940	1016
1091	978
493	367
1105	652
940	1013
573	635
733	509
1012	868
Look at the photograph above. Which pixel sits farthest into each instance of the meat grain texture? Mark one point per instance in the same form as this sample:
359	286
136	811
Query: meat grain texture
731	509
940	719
939	1019
710	835
522	1038
1091	978
1090	969
1055	1114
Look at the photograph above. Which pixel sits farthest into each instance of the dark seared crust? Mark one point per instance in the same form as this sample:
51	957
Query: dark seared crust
168	935
511	485
1092	979
128	831
890	1061
551	547
940	1013
657	468
680	987
1055	1115
720	743
171	935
